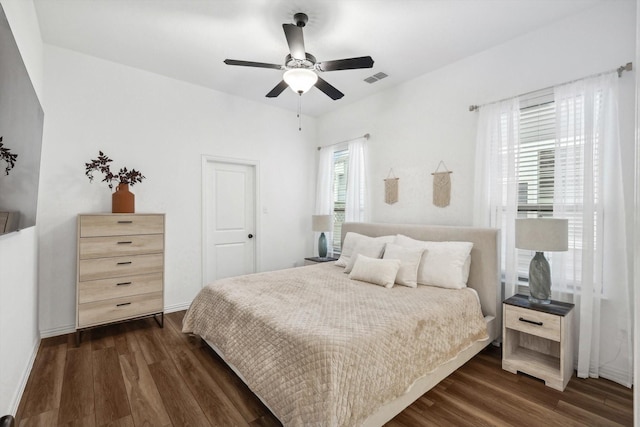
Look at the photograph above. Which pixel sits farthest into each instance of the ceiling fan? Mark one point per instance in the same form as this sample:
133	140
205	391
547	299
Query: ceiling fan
301	67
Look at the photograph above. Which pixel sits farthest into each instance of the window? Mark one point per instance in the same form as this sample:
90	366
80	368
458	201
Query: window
536	162
340	174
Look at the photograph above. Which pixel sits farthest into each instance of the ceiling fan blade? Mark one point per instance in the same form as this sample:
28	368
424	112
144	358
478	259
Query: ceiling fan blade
295	40
278	89
253	64
346	64
328	89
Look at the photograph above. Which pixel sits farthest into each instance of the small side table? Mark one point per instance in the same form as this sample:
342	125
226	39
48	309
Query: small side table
317	260
537	340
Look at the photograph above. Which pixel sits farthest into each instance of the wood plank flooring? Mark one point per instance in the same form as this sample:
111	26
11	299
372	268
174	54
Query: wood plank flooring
137	374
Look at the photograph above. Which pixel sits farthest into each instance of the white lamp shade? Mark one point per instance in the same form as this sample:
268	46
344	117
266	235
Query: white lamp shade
321	223
542	234
300	80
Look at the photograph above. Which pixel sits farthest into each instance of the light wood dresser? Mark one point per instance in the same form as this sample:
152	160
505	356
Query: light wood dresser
120	269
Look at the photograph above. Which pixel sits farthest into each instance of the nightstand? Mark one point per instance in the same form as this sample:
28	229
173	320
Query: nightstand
317	260
537	340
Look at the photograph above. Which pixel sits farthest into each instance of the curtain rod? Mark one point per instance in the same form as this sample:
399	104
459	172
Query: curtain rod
365	136
627	67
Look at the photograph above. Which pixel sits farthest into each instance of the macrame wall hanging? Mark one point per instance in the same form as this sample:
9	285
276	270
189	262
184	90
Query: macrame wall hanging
391	188
441	186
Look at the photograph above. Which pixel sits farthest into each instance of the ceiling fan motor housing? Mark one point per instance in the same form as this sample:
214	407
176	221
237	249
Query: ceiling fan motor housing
308	62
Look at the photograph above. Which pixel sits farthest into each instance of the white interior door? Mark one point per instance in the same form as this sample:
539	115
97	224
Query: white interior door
229	219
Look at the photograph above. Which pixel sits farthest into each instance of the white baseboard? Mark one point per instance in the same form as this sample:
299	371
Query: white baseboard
61	330
25	377
176	307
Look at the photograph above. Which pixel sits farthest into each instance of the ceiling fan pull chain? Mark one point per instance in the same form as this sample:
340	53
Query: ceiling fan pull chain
300	111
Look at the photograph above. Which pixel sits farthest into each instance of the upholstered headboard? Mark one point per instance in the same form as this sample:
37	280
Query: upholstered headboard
484	275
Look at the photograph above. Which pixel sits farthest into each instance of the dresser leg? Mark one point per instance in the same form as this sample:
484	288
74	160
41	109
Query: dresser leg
78	338
161	321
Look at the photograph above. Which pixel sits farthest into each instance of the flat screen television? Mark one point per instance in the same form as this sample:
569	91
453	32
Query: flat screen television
21	121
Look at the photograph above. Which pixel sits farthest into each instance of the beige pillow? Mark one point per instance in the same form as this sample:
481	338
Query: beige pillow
370	248
350	242
409	263
377	271
445	264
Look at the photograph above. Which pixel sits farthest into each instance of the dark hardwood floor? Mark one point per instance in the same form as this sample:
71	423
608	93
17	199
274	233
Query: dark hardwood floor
137	374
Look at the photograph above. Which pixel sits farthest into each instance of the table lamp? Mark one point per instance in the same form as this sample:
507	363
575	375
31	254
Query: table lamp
541	234
321	223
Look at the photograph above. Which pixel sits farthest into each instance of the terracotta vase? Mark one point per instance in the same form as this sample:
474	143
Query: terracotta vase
123	200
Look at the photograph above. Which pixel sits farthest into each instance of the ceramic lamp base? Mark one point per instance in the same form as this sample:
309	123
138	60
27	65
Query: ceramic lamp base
322	246
539	280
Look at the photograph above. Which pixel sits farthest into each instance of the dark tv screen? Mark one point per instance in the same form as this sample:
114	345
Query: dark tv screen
21	121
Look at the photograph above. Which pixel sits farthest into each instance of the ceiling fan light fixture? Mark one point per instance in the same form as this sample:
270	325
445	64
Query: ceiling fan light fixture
300	80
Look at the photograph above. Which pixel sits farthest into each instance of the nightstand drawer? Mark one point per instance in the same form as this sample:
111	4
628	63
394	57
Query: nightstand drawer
120	225
99	247
533	322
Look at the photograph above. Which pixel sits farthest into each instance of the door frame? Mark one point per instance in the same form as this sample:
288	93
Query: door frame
208	161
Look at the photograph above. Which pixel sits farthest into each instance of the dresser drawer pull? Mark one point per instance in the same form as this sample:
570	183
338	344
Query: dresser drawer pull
123	283
123	304
125	243
124	263
533	322
125	222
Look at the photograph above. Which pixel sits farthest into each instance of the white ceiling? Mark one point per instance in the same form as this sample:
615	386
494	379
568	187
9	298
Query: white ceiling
189	39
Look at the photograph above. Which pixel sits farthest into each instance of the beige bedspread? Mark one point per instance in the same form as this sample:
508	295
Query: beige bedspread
324	350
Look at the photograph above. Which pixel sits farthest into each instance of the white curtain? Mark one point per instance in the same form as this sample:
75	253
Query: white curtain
588	190
324	188
356	186
495	198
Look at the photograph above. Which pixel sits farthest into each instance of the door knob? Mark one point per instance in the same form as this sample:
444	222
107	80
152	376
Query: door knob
250	236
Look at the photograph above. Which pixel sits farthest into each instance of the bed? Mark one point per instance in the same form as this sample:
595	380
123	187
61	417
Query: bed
319	348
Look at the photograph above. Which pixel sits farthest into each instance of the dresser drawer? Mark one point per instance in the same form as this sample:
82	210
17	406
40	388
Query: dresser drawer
97	290
99	247
103	268
95	313
120	225
533	322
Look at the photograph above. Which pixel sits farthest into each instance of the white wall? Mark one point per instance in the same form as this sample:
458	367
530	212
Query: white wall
19	335
415	125
161	127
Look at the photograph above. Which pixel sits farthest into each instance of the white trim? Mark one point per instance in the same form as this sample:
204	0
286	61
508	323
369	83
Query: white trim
176	307
636	239
245	162
13	407
61	330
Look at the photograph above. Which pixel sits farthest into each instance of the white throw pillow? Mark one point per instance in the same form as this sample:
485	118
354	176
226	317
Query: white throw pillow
350	242
377	271
445	264
409	263
371	248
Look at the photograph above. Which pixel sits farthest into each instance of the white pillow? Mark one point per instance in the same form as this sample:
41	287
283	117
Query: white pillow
445	264
377	271
350	242
409	263
371	248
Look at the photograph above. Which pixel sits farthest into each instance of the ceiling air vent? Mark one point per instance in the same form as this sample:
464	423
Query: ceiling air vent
376	77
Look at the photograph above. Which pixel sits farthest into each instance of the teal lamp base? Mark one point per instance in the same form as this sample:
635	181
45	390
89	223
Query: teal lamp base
539	280
322	246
